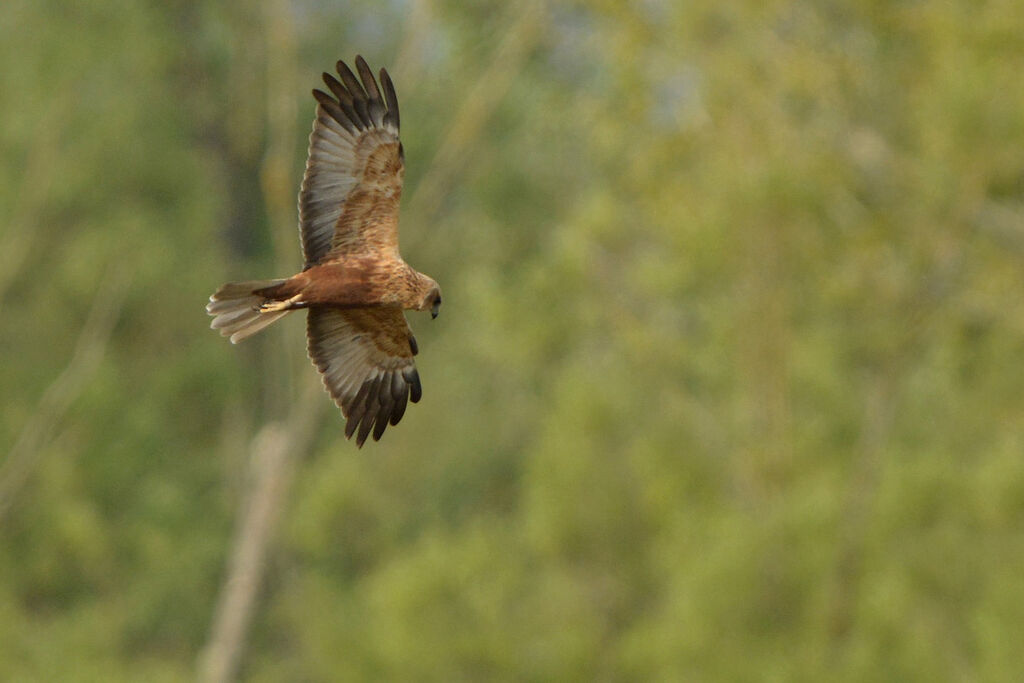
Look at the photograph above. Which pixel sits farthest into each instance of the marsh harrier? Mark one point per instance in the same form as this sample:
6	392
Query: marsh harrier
355	284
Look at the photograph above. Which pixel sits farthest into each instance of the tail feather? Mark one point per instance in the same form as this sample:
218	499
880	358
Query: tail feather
236	309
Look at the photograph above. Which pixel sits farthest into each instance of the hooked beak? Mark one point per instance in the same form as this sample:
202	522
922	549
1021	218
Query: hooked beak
435	310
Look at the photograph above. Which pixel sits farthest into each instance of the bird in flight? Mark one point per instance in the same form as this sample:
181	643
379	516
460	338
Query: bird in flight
354	285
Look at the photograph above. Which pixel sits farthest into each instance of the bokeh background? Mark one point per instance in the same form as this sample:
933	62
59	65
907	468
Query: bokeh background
727	384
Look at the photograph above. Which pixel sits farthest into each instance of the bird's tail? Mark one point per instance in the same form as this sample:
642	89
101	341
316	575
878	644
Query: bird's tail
237	309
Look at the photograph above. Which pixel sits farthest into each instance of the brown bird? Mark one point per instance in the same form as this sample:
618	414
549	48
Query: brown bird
355	284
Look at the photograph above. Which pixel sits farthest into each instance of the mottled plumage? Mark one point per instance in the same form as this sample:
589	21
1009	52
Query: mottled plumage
354	282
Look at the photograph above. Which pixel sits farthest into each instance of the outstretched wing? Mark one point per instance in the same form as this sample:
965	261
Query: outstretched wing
353	182
365	356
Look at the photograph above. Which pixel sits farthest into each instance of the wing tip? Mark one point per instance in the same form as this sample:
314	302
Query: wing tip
368	105
412	378
390	99
380	401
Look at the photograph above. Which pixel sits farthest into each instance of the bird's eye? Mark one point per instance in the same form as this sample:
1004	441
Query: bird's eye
437	301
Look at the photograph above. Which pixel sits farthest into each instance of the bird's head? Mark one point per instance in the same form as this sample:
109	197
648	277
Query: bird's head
432	300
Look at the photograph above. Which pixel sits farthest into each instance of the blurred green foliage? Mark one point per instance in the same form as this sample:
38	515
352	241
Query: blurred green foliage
727	385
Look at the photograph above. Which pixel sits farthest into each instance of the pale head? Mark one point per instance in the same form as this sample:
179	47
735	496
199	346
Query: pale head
432	299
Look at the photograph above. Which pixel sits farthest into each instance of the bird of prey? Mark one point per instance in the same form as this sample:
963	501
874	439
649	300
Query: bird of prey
355	285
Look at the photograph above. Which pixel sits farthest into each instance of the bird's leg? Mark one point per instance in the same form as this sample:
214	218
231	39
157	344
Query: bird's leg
272	306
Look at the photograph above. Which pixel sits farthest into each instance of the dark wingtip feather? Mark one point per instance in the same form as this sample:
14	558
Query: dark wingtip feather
370	413
398	387
350	427
364	430
390	98
357	92
374	104
386	396
357	400
400	404
336	87
400	394
379	426
350	81
369	83
322	98
338	110
413	378
373	394
353	422
356	408
359	104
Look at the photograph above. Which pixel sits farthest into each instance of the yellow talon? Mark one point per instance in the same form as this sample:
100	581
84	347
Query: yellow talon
273	306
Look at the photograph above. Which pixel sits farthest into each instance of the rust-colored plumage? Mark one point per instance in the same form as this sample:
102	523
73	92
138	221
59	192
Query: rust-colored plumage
354	283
